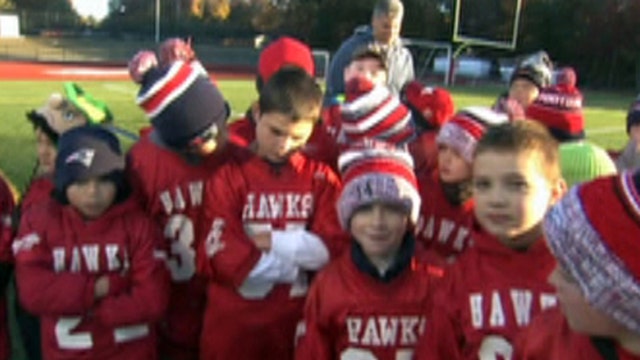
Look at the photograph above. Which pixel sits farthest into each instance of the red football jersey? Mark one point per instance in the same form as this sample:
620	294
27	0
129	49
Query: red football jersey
549	337
424	150
351	315
443	228
248	196
171	191
488	296
38	192
59	256
7	206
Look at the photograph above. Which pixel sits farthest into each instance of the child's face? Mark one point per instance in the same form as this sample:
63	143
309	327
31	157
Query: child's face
523	91
634	133
379	228
208	141
46	151
452	167
92	197
277	136
512	195
368	68
581	316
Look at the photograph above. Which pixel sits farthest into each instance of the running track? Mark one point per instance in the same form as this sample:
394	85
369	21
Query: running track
10	70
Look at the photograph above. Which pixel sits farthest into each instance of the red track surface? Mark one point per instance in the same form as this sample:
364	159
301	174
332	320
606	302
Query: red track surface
73	72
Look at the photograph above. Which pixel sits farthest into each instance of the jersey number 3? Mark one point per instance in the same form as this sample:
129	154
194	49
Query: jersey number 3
179	230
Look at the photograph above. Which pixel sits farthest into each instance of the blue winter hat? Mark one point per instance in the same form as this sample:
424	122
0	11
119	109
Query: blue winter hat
86	152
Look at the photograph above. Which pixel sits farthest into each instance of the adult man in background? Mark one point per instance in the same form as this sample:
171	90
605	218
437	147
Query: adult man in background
384	32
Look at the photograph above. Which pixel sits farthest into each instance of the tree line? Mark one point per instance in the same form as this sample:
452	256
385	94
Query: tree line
600	38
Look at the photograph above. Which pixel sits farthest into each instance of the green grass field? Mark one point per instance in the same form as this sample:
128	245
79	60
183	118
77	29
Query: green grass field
605	113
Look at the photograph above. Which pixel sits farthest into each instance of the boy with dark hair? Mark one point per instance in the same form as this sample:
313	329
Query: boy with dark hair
88	262
499	284
283	52
371	302
596	276
167	168
271	219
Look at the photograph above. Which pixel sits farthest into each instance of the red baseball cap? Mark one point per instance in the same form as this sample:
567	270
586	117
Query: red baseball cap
285	51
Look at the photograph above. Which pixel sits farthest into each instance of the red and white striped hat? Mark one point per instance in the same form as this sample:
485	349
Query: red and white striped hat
373	112
466	127
594	233
376	172
181	102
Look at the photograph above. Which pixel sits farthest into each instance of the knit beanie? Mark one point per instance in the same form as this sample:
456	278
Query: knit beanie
373	112
582	161
376	172
282	52
594	234
86	152
567	77
559	108
466	127
536	68
181	102
633	116
64	111
420	98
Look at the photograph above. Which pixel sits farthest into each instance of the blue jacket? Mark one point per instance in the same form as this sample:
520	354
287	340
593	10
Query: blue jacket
399	62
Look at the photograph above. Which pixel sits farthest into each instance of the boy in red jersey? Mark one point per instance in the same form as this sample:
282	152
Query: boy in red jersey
8	199
88	262
498	285
596	276
444	226
61	112
371	302
168	167
270	213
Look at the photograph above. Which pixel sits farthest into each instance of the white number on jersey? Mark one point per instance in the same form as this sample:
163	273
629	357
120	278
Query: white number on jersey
495	347
181	262
69	340
363	354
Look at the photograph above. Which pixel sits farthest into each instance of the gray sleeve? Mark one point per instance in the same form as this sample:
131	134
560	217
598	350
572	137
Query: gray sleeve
401	69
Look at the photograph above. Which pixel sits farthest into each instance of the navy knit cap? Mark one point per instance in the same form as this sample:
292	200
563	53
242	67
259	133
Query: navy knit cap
181	102
86	152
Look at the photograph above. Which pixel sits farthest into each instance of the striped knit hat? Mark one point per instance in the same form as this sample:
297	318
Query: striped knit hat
601	249
466	127
373	112
376	172
559	108
181	102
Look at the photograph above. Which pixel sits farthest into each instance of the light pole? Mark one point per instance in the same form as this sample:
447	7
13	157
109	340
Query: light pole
157	21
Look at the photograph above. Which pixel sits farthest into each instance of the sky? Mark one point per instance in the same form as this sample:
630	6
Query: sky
96	8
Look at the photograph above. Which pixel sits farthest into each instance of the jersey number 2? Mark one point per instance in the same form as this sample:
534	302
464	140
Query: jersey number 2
69	340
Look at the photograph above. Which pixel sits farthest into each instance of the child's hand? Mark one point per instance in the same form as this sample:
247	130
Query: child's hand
109	285
262	241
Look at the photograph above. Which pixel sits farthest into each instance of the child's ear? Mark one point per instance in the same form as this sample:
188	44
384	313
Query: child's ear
255	111
558	189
